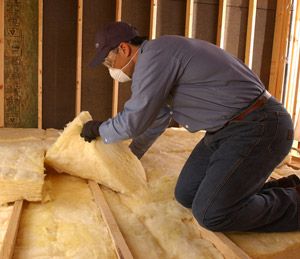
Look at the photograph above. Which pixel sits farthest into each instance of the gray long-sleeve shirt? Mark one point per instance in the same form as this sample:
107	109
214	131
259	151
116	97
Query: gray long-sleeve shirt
198	84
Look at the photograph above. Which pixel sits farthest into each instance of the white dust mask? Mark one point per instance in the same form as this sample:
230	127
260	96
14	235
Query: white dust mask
118	74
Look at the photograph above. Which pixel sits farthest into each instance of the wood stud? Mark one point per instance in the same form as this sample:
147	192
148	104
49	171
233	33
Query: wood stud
280	40
115	95
153	19
283	48
40	64
189	18
250	32
79	57
276	48
221	23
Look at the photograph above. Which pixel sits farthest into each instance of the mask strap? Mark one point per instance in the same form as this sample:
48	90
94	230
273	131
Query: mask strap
130	59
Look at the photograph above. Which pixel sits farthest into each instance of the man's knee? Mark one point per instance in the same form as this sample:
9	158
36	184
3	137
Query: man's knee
182	197
209	220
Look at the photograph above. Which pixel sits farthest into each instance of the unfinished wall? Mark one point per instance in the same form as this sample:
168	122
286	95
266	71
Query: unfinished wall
236	30
236	27
170	17
135	12
59	62
205	20
20	66
95	86
264	33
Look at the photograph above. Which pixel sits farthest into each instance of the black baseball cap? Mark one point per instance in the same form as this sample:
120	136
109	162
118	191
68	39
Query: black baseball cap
110	37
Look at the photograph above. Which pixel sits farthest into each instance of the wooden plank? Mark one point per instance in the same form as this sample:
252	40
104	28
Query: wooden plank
263	42
118	10
40	64
279	48
293	69
189	18
221	23
79	58
1	63
115	95
228	248
121	247
12	231
250	32
115	98
283	48
153	19
276	48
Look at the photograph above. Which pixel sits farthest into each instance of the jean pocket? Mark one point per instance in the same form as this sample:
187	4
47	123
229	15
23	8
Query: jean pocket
283	134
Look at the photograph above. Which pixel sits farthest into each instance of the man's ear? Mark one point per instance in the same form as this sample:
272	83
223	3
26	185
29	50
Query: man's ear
125	49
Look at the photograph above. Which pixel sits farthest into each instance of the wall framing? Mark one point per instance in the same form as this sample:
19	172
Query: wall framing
87	96
283	12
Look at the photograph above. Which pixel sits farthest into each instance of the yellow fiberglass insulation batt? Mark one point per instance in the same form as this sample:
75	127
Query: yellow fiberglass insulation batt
112	165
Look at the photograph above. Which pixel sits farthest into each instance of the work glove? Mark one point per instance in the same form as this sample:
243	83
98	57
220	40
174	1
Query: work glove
90	130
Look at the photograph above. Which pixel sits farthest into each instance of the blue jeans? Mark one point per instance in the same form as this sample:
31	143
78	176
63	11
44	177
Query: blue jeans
222	180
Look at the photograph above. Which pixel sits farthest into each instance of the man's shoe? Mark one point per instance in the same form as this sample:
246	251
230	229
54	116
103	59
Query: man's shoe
284	182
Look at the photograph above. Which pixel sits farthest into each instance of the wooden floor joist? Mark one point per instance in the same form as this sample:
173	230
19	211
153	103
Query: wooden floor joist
228	248
9	241
121	247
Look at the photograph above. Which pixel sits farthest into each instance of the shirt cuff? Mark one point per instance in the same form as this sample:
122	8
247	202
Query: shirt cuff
109	134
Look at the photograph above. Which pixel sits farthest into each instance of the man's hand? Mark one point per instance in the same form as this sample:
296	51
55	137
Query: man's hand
90	130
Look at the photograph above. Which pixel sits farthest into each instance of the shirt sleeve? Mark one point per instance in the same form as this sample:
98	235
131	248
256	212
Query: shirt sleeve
153	78
142	143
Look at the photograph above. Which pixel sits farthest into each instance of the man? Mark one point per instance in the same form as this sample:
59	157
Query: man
248	133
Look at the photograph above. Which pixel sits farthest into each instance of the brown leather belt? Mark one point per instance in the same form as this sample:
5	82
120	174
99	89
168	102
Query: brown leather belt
259	102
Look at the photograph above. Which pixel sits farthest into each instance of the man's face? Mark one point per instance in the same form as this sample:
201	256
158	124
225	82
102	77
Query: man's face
119	58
